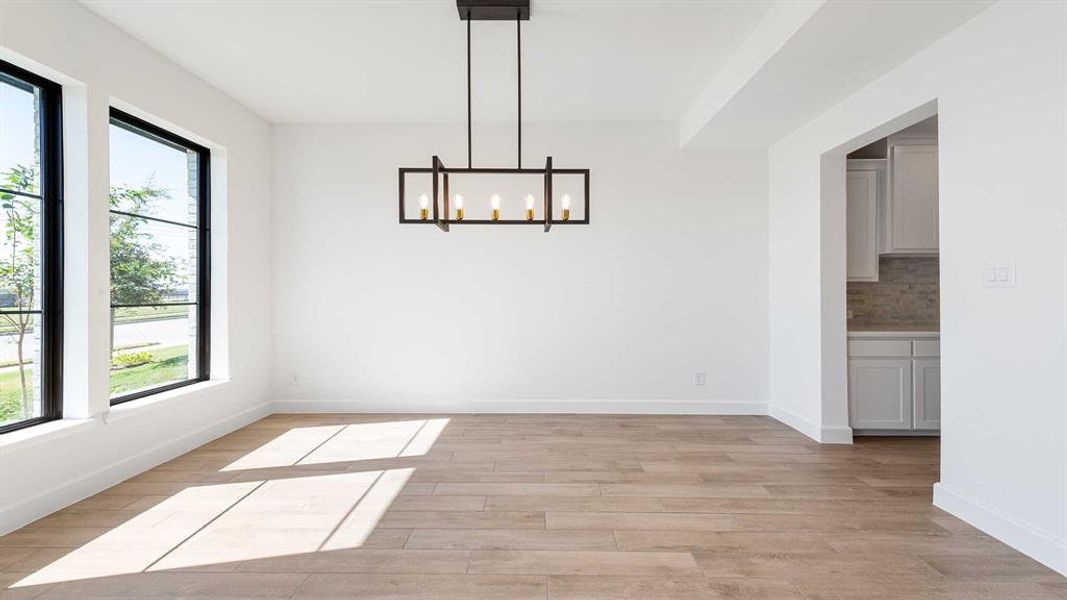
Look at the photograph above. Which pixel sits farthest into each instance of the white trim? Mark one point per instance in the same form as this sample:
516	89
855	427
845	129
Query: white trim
49	501
836	435
796	422
897	432
21	439
539	406
1041	545
824	435
158	400
866	164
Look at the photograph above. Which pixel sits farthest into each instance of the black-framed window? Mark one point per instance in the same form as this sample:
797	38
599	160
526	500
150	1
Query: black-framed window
160	259
31	248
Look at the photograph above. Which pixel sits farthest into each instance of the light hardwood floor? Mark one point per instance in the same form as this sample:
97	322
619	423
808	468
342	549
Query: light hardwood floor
522	506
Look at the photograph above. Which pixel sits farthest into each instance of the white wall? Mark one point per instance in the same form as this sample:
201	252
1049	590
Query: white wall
616	316
45	467
999	86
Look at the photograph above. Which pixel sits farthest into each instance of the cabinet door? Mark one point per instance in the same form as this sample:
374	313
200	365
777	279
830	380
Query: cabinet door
861	211
927	375
880	393
912	202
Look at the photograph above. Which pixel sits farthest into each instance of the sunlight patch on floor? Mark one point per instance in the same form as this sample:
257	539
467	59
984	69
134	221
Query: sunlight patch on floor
359	524
425	438
293	516
366	441
265	518
133	546
286	449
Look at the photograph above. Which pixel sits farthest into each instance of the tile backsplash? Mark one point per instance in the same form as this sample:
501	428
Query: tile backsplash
906	293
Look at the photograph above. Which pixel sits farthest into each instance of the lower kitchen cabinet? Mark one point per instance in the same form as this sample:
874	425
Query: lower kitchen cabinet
880	393
894	383
926	373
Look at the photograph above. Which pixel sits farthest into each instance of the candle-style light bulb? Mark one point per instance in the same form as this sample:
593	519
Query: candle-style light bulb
565	204
529	207
494	202
424	207
458	199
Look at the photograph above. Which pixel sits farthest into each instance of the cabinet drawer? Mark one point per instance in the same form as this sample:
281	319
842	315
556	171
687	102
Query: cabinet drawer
928	348
887	348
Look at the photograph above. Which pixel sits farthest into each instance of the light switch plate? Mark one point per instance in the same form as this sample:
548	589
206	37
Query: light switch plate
999	274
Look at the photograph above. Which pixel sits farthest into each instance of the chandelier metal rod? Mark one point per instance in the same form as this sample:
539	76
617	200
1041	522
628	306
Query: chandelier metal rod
469	137
518	61
518	54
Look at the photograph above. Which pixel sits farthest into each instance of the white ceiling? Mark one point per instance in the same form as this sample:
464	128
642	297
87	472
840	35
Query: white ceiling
404	60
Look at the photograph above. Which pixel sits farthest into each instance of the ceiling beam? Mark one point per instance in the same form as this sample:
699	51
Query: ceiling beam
805	57
772	34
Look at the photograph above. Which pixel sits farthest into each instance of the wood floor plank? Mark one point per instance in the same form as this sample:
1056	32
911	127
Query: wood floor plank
458	503
444	519
520	539
992	569
735	543
573	504
516	489
856	590
802	567
540	562
666	588
785	506
923	545
685	491
361	560
622	521
179	585
415	587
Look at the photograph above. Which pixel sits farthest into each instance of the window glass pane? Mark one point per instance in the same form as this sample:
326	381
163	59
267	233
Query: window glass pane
20	360
155	252
152	262
19	143
20	253
150	177
152	347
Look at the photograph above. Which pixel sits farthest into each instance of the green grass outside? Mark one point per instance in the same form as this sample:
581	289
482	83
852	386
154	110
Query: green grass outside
11	394
127	315
169	365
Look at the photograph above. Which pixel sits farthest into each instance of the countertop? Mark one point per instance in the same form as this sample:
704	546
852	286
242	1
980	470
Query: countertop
895	330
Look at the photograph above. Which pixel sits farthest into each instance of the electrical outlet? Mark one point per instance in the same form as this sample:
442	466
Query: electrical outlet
294	379
700	378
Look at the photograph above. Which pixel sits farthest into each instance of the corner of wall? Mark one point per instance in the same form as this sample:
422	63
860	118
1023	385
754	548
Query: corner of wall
1037	543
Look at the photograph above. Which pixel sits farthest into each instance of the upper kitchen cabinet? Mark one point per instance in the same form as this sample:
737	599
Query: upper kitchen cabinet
861	213
911	203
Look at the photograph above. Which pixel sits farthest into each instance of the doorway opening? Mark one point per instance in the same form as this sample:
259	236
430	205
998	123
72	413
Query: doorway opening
892	287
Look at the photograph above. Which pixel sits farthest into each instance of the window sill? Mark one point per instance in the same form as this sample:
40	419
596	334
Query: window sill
39	434
19	440
141	405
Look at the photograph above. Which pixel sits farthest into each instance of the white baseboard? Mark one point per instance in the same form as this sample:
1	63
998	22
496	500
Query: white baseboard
836	435
553	406
49	501
1032	541
824	435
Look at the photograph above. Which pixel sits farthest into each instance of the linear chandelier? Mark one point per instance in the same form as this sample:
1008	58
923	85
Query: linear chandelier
438	206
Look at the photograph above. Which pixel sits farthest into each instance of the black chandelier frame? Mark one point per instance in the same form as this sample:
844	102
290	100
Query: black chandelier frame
440	213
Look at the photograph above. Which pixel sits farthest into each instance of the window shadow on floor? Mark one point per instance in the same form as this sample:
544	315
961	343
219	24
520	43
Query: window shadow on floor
271	491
